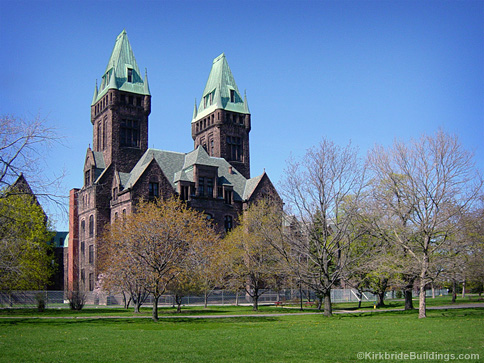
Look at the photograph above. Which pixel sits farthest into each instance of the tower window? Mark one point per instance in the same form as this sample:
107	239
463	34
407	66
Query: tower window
130	75
130	133
232	95
105	131
234	148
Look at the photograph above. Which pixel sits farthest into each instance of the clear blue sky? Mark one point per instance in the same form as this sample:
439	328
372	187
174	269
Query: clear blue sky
365	71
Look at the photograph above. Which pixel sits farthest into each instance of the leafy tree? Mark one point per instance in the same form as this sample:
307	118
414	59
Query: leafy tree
156	241
429	184
250	258
25	255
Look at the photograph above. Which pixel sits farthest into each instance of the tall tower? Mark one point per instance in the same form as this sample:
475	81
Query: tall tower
221	123
120	109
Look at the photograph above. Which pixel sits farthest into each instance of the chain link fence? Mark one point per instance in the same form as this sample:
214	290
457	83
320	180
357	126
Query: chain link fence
53	299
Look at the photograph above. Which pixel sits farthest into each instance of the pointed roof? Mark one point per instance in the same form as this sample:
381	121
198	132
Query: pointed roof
221	91
122	71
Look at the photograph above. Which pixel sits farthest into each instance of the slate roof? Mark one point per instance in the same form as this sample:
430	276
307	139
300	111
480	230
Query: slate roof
179	167
216	94
115	75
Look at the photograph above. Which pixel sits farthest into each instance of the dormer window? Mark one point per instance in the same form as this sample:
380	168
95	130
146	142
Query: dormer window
232	95
130	75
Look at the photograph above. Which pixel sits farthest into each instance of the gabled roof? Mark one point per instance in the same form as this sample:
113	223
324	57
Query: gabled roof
179	167
116	74
250	186
217	92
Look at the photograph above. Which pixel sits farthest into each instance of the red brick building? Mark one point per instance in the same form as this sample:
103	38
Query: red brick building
120	169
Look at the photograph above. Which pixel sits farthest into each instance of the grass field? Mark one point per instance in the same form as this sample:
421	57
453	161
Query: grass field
288	338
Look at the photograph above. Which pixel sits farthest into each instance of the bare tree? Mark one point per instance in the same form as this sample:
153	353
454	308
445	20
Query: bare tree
23	143
324	191
429	183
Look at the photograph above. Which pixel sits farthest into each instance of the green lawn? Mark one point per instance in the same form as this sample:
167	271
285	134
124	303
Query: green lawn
288	338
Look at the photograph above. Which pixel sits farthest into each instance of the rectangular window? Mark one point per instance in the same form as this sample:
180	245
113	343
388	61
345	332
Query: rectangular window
232	95
235	148
82	249
130	75
154	190
105	132
228	197
91	225
184	192
91	282
87	178
91	254
210	187
228	223
201	186
83	275
130	133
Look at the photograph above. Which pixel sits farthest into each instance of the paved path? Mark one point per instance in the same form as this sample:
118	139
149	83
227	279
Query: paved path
263	315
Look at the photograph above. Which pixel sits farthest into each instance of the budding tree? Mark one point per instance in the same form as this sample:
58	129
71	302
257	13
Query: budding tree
156	242
429	184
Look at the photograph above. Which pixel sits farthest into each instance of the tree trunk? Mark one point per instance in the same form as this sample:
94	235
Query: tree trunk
433	290
408	298
380	299
237	298
255	298
178	300
422	313
328	311
464	289
205	301
137	305
454	291
154	314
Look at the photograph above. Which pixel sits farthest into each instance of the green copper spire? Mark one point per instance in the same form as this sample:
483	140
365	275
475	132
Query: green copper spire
221	91
195	109
94	97
146	85
122	71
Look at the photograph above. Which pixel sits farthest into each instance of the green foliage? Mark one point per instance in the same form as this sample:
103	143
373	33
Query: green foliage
25	255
